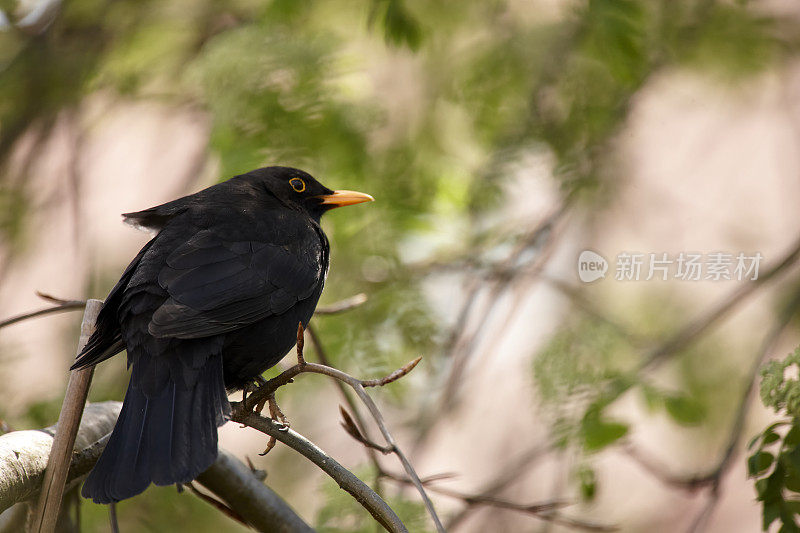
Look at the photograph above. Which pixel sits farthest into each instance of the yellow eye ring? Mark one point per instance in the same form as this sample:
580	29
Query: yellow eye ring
297	184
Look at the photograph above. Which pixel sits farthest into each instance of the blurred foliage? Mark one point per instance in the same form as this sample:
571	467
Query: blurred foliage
587	365
774	460
426	105
590	364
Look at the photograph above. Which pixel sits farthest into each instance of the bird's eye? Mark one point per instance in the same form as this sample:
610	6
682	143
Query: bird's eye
297	184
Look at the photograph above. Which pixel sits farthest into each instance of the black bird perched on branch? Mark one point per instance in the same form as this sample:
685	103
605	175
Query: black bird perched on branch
211	302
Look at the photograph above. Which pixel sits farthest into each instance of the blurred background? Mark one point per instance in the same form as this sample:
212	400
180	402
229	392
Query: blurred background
500	139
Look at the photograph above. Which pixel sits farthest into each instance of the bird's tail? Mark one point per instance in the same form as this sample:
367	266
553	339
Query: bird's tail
163	438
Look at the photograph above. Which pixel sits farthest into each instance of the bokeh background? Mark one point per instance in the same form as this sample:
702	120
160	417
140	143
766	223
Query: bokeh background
500	138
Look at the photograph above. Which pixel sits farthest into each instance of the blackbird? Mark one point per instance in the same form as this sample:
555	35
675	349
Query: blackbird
211	302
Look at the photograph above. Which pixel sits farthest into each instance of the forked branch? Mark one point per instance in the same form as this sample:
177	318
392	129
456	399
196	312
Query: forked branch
243	411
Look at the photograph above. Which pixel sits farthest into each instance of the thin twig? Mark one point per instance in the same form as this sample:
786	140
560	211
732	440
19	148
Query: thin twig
358	386
482	499
350	427
218	505
355	412
394	376
546	511
322	355
692	330
343	477
503	275
46	514
300	343
378	417
342	305
69	305
690	483
510	474
579	299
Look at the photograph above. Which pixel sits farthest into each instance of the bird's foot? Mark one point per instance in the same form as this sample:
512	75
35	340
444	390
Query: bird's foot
280	420
276	414
253	386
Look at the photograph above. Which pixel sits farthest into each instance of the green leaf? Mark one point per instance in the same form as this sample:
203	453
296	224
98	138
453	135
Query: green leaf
759	462
792	482
770	437
792	439
685	410
791	460
772	512
771	491
598	433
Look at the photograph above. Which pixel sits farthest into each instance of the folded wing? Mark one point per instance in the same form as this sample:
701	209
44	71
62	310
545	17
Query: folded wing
216	286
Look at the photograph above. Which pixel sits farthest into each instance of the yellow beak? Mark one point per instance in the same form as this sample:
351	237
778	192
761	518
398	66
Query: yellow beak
343	198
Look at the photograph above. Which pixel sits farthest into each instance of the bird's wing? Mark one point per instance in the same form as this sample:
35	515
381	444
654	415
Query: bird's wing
216	285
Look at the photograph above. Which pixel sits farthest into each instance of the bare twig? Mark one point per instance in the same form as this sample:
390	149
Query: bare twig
300	344
394	376
55	300
502	275
358	386
344	392
692	330
507	476
46	513
345	479
343	305
65	305
546	511
350	427
689	483
218	505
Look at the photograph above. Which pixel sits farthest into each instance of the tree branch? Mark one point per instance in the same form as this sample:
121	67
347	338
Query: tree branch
269	388
23	457
343	477
348	398
24	454
69	419
237	485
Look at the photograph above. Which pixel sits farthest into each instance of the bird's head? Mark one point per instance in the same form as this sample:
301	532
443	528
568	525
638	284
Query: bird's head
300	190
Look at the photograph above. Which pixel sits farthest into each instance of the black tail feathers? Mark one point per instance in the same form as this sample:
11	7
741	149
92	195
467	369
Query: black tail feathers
164	438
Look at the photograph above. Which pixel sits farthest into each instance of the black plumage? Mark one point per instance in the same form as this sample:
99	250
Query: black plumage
211	302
